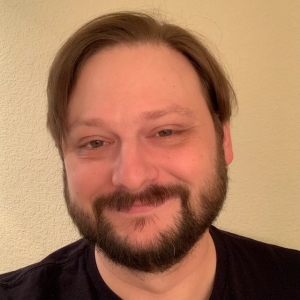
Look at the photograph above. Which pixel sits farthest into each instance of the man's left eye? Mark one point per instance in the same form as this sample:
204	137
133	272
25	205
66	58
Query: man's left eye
165	132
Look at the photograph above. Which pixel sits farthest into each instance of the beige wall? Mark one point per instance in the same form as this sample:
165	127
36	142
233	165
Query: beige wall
259	44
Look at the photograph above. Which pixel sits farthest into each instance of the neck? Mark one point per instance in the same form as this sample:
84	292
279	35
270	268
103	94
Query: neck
192	278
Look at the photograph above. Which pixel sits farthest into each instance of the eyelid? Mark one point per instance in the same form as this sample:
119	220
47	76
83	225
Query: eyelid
172	132
88	144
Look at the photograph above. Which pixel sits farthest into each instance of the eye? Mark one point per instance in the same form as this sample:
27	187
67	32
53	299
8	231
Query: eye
95	144
165	132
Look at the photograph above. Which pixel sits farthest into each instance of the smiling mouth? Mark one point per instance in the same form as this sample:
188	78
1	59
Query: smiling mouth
140	208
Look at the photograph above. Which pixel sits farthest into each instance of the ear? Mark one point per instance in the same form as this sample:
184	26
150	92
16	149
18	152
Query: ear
227	144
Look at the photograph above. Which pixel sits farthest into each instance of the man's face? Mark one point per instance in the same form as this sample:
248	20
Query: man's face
145	172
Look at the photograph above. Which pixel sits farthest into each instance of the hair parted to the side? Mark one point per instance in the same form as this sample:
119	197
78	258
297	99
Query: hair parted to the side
132	28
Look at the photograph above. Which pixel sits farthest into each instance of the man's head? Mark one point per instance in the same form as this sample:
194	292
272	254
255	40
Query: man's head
140	111
132	29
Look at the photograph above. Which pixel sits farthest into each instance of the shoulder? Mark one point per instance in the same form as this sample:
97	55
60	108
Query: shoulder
37	278
257	268
255	250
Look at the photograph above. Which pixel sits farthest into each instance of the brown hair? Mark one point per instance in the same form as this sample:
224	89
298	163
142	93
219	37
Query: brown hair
132	28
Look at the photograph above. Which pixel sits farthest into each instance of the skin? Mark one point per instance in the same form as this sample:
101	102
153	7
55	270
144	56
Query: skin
137	116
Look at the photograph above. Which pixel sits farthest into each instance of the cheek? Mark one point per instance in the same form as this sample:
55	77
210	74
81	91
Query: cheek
85	180
192	165
194	162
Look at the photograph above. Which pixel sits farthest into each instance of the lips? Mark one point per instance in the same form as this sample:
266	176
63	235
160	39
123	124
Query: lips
139	207
150	198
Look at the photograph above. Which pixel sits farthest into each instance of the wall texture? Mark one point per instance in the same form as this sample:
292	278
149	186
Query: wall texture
259	44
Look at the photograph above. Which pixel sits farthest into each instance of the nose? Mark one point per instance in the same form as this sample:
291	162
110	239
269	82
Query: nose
134	168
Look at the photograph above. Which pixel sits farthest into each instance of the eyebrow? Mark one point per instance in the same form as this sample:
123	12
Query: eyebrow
156	114
96	122
148	115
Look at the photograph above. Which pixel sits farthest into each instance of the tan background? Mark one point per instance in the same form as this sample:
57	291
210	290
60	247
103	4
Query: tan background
259	44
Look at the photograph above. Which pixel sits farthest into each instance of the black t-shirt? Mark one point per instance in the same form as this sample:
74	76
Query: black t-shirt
246	269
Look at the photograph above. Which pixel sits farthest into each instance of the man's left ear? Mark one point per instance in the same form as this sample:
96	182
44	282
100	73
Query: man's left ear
227	144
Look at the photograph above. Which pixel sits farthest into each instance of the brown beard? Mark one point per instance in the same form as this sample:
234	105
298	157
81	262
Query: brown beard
171	245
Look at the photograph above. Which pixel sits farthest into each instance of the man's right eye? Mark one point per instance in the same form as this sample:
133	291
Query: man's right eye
95	144
165	132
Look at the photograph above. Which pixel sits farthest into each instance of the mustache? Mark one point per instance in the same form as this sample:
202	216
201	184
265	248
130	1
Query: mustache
153	195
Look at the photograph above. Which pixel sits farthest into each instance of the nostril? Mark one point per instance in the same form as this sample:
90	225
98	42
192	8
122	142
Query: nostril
133	177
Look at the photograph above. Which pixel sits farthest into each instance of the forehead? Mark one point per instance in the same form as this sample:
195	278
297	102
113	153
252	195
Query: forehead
131	80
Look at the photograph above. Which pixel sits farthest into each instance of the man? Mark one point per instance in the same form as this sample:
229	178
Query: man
139	111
